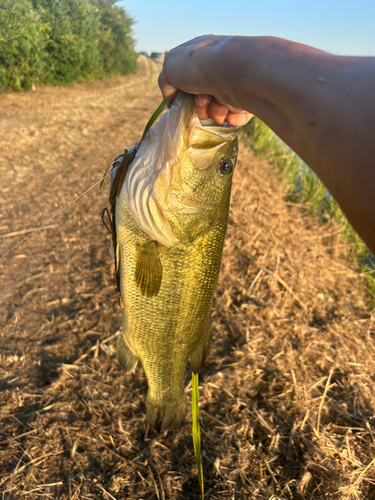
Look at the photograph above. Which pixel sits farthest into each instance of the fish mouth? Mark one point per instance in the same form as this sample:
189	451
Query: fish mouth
189	123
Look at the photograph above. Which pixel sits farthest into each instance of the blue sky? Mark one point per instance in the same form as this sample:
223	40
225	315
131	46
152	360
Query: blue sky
341	27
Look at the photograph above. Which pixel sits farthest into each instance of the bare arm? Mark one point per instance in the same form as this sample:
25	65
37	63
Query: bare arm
321	105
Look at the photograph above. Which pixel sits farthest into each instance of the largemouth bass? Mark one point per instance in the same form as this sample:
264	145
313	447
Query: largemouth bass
170	203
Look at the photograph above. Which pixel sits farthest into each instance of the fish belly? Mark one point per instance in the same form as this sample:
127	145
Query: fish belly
168	329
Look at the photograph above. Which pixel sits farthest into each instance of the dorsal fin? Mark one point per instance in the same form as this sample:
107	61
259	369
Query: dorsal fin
118	172
120	167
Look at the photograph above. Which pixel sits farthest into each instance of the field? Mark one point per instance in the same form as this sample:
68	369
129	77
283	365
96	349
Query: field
287	394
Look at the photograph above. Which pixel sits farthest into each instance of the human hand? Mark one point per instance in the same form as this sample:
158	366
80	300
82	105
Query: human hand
191	68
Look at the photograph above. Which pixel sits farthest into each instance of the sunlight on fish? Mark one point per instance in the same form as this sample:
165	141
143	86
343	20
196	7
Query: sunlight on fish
170	202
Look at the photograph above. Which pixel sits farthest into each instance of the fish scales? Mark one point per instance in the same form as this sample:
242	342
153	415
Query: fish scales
167	287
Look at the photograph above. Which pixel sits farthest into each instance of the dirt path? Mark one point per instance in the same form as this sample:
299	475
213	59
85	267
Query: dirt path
287	398
55	144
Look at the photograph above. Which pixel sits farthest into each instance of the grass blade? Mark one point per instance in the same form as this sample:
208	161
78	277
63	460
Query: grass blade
162	106
197	430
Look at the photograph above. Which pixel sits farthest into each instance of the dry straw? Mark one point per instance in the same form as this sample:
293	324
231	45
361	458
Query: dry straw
269	360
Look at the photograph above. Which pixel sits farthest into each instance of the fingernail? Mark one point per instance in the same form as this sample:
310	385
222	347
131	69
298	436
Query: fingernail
202	100
243	121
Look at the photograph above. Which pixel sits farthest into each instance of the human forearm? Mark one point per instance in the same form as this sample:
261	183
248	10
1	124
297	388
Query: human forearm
323	107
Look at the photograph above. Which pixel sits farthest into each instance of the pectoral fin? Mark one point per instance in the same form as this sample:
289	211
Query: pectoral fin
199	355
148	270
124	356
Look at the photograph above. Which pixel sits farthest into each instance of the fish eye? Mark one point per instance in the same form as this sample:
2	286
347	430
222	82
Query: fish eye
225	166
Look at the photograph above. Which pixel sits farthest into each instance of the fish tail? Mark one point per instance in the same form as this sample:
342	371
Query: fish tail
163	416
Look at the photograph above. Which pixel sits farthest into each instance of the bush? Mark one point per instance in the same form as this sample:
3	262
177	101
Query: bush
58	42
22	44
116	43
155	55
72	48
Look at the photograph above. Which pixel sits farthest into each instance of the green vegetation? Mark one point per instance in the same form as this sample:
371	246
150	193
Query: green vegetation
155	55
22	42
304	187
58	42
162	106
196	429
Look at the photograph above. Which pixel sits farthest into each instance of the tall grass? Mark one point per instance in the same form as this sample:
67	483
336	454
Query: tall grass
305	188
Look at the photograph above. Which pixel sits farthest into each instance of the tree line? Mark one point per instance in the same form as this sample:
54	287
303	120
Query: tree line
58	42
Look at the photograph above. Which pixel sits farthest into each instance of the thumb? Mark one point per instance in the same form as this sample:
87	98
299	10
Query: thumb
168	90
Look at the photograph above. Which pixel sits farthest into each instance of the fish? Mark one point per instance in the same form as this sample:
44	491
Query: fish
170	199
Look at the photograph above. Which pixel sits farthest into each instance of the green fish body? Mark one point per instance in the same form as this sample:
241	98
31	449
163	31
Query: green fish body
170	211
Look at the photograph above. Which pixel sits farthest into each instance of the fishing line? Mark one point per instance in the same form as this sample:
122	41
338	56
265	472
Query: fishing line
49	220
162	106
